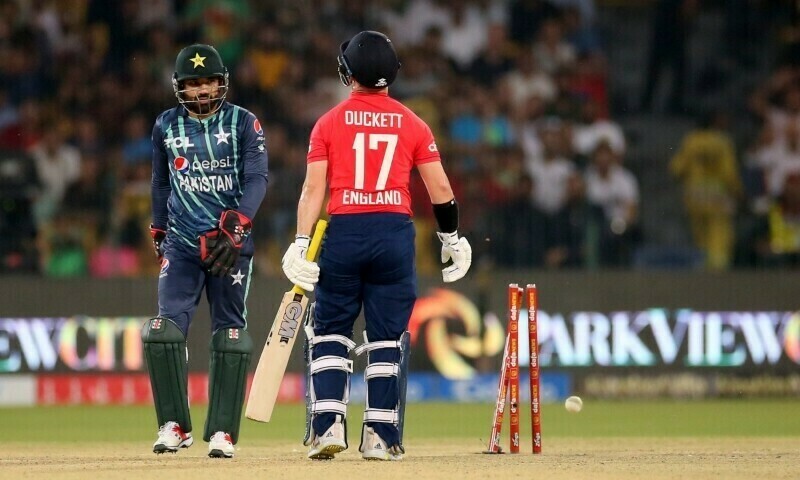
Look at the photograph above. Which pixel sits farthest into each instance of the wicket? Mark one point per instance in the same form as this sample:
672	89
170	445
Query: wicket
509	374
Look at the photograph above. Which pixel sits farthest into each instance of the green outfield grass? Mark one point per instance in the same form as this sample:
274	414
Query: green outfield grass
737	418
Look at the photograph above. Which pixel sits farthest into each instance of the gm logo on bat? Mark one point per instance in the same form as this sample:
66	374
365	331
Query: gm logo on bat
291	317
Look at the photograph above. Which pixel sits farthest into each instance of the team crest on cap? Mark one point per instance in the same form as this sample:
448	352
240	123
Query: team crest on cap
198	60
257	127
181	164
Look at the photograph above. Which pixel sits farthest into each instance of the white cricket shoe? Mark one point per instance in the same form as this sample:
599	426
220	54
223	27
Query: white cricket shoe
171	437
374	448
220	446
330	443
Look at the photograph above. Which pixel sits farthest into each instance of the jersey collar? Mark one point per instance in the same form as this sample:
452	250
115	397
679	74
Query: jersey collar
382	93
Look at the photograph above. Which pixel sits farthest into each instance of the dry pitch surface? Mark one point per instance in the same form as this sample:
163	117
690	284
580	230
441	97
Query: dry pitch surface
598	458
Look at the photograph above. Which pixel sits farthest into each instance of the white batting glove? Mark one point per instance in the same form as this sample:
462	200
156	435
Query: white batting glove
458	250
300	271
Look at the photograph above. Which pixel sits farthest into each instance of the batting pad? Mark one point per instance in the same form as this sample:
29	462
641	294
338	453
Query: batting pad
165	352
227	379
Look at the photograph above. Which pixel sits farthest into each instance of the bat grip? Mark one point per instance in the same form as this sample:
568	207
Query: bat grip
316	240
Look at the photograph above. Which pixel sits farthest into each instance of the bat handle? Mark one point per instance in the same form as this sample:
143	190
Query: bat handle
316	240
313	248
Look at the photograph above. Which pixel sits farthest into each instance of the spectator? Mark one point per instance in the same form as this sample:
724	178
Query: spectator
58	165
552	52
526	16
221	23
496	59
580	33
614	190
552	171
136	146
669	47
19	182
784	223
528	80
595	129
706	166
465	34
517	230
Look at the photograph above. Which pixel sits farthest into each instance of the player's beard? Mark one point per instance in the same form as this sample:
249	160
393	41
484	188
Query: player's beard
204	104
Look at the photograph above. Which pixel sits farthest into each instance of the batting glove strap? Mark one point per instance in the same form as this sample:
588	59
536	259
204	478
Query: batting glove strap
235	226
302	242
448	239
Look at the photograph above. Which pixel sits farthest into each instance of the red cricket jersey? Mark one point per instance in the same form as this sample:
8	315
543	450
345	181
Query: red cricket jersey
371	142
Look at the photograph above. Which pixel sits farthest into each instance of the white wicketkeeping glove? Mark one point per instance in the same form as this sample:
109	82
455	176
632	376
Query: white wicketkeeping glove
300	271
458	250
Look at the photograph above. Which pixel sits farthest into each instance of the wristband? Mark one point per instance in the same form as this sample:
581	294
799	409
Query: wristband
446	216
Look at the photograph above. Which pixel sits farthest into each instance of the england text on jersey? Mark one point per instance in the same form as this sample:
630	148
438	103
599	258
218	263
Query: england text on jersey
373	119
219	183
386	197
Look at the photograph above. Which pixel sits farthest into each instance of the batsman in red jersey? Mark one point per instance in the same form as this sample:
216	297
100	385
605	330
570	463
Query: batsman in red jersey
363	150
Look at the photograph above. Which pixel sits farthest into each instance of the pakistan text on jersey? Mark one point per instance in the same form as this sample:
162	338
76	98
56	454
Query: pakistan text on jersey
386	197
219	183
373	119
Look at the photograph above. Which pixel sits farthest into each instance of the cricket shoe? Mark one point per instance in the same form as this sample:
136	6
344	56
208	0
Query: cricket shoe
171	437
333	441
220	446
374	448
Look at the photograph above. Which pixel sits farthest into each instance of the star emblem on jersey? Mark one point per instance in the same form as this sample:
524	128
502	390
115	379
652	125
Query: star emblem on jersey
222	137
237	277
198	60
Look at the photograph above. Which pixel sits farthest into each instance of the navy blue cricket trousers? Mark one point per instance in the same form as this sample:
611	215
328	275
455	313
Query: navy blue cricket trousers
183	279
367	259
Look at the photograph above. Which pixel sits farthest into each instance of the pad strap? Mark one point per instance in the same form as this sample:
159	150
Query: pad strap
331	362
370	346
329	406
380	415
316	339
381	369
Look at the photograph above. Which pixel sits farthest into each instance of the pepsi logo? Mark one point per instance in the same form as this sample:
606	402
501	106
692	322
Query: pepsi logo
257	127
181	164
164	264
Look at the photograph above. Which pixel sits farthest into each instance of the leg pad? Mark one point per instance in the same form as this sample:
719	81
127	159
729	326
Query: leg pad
165	352
229	358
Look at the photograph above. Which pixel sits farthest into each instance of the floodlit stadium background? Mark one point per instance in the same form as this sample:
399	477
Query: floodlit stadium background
674	281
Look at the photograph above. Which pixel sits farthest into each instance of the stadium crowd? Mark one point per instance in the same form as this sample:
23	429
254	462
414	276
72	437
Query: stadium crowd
516	91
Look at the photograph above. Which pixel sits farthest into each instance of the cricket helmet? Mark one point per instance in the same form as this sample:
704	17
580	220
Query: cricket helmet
199	61
370	58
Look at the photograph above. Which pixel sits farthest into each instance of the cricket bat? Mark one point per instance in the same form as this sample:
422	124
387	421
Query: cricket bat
275	356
